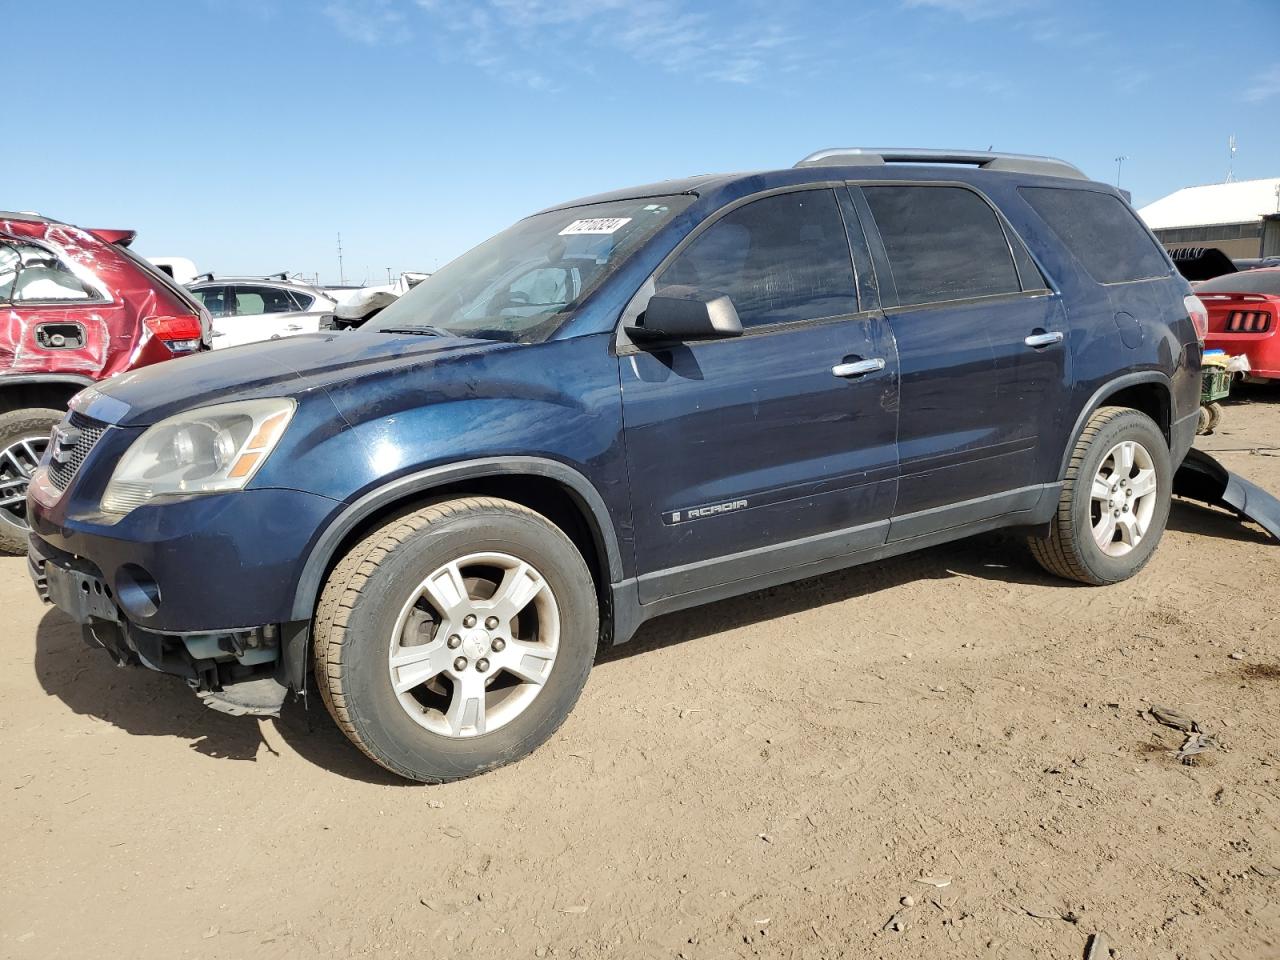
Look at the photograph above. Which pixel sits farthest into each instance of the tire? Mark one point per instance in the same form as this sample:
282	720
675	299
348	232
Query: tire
1204	425
17	427
395	584
1215	416
1072	549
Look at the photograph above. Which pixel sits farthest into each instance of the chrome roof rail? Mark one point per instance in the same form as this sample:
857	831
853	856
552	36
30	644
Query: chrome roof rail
984	160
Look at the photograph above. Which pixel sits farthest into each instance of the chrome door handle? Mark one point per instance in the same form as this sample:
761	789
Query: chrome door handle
294	326
858	368
1043	339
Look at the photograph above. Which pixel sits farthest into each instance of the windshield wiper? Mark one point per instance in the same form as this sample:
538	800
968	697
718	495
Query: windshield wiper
421	330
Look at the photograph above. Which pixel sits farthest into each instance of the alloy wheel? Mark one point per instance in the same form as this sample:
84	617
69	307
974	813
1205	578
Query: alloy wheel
18	463
1123	498
474	644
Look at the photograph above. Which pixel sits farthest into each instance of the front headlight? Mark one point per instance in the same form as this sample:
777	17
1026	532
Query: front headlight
206	450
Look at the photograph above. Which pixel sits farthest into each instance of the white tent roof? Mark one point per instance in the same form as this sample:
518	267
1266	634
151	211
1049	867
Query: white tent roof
1237	202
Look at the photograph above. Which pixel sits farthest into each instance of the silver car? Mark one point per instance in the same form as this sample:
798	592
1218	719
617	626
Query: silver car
248	309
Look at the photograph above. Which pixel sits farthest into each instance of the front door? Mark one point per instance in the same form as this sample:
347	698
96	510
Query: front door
771	450
983	354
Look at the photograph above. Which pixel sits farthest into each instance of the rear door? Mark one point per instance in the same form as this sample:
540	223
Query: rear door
982	348
775	449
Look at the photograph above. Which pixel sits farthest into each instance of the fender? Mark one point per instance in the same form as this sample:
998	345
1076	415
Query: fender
1096	401
326	545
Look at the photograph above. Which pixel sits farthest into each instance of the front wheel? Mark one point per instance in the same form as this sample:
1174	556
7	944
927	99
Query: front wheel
456	639
1114	502
24	434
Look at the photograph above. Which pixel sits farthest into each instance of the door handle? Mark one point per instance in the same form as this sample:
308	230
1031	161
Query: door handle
293	326
858	368
1038	340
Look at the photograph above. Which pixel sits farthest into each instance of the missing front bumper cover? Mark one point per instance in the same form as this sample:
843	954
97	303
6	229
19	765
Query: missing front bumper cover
1201	477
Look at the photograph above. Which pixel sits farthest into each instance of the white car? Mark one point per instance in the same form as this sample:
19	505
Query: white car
358	304
249	309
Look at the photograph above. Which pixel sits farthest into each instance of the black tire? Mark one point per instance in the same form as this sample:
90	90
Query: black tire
365	594
1070	550
1215	416
15	426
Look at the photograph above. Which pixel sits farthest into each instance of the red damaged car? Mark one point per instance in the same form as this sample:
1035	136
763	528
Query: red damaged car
1244	317
76	306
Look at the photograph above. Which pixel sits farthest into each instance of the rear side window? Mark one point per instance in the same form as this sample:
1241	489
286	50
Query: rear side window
32	274
1100	231
781	259
301	300
252	301
944	243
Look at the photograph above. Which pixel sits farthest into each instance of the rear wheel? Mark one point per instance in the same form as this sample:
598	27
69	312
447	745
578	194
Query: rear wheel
456	639
1114	502
24	435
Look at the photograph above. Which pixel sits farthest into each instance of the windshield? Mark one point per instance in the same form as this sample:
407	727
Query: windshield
1250	281
523	283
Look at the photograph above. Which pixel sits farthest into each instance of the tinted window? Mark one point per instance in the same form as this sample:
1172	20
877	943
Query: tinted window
251	301
301	300
944	243
214	300
32	274
1100	231
781	259
1250	281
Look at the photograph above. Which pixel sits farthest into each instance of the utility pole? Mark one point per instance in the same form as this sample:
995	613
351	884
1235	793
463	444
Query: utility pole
388	276
1231	158
1120	163
342	277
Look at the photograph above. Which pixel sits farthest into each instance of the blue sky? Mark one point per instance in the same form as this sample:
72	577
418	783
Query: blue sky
246	134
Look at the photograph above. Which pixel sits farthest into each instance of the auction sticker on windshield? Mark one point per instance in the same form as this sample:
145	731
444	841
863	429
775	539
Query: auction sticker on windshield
597	225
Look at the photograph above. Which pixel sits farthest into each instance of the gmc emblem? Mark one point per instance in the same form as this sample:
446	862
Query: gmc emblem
62	444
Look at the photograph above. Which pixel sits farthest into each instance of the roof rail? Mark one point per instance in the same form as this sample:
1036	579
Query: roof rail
984	160
201	277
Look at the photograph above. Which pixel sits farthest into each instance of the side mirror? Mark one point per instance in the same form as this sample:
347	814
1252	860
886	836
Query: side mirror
686	313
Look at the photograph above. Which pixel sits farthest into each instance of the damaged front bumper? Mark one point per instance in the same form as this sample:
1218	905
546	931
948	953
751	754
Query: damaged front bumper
1201	477
243	670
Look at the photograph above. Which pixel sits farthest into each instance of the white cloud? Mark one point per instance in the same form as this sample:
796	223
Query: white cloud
371	22
536	43
1265	86
975	9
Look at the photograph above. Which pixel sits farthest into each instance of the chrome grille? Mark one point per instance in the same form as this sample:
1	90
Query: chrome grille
65	459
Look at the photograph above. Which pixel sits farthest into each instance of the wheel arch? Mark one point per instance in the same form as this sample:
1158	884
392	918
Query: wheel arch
23	391
550	487
1147	391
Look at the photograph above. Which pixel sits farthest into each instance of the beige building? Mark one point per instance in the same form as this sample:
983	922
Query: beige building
1241	218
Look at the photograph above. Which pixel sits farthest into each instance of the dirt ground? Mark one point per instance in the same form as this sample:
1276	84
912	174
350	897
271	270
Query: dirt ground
767	777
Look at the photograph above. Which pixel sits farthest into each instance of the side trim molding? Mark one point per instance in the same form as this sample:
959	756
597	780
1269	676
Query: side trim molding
629	613
424	481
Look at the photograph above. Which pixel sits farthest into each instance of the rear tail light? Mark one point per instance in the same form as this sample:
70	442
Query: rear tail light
179	334
1248	321
1199	316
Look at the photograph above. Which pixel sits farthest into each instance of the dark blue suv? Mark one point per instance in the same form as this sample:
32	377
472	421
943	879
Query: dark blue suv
618	408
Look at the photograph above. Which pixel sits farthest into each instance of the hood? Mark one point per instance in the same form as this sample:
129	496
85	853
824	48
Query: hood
289	367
